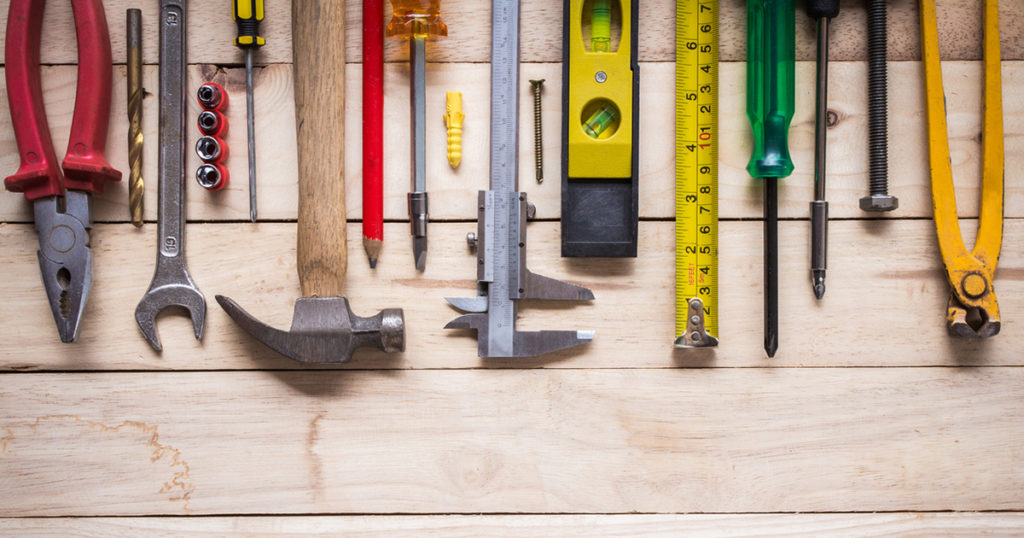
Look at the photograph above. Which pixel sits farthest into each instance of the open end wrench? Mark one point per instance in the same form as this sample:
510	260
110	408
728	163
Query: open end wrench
172	285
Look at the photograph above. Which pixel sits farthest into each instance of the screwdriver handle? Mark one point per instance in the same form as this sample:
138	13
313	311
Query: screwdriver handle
822	9
416	18
248	15
771	84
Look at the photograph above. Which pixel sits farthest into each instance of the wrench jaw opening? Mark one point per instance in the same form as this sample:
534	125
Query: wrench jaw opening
161	296
65	260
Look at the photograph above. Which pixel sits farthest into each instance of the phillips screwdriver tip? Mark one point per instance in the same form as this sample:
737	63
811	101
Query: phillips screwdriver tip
819	284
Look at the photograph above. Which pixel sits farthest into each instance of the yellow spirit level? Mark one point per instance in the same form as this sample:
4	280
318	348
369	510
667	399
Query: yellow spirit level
600	127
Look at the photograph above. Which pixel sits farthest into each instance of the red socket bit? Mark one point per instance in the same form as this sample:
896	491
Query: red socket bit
213	123
212	176
212	96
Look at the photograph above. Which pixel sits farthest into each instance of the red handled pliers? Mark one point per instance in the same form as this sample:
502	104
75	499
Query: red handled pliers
61	199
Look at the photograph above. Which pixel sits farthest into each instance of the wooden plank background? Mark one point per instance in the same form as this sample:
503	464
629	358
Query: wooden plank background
868	407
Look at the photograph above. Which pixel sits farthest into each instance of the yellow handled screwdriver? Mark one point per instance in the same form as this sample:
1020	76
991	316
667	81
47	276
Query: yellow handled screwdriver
417	21
248	15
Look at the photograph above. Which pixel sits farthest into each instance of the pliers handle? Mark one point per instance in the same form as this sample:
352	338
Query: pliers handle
85	166
972	310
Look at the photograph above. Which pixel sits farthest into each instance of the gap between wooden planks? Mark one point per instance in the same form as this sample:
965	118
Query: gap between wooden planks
532	441
553	526
453	193
211	31
885	304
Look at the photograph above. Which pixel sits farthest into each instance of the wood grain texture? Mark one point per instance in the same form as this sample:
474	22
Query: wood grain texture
533	441
453	192
539	526
885	303
211	31
320	136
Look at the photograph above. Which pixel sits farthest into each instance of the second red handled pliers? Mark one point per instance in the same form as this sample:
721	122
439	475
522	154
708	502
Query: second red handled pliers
61	198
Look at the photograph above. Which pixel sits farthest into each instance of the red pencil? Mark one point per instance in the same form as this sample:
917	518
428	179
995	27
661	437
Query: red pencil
373	129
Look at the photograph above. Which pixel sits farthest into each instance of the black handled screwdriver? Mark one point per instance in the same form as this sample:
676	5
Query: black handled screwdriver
823	11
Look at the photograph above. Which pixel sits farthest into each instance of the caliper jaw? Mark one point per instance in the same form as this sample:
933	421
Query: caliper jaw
525	343
505	269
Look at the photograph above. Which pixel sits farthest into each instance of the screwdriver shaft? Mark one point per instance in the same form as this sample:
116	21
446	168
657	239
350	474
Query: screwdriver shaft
418	105
250	125
819	207
771	266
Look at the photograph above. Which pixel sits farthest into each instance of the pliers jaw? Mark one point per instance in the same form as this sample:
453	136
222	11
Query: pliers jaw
972	310
65	259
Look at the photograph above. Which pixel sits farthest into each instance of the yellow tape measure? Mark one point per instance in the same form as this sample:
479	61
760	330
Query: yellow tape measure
696	173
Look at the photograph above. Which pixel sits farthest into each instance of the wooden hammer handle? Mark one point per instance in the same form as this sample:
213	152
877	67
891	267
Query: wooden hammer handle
318	44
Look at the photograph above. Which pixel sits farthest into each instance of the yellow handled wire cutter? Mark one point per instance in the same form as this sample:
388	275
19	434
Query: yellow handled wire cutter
972	311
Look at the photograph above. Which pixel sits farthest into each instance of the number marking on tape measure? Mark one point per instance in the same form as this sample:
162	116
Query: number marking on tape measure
696	147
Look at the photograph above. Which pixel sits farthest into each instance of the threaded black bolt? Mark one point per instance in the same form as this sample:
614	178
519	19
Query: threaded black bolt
879	198
538	137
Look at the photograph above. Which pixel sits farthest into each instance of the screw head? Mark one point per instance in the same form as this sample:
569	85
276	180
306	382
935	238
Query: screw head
879	202
471	240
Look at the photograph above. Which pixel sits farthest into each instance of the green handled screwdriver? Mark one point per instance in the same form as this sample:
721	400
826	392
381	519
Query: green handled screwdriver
771	90
248	14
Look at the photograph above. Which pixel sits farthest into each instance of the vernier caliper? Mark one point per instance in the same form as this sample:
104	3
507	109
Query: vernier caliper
500	242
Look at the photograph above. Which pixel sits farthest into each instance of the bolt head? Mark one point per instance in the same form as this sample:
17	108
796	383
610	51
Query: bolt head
879	202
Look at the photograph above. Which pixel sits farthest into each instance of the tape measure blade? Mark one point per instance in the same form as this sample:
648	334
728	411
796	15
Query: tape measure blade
696	169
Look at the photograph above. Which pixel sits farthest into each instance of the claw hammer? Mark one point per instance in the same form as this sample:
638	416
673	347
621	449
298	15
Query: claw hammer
324	329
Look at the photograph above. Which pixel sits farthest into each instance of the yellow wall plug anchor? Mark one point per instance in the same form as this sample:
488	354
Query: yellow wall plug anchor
453	120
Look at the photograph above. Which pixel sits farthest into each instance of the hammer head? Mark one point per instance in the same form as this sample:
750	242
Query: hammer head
324	330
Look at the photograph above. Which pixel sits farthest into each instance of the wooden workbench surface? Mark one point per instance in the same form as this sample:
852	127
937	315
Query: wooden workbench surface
870	420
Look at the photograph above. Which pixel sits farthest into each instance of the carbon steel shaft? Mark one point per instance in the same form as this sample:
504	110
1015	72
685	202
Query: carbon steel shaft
250	125
823	11
418	208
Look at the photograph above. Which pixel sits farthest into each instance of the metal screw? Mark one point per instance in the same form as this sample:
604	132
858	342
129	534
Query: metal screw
538	138
878	130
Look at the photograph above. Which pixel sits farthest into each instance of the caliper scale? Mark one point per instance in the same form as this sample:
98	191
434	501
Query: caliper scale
500	242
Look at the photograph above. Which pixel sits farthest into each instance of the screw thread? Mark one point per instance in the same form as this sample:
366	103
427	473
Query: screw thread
538	136
878	130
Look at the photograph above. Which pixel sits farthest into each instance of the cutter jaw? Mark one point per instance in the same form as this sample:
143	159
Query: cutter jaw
972	310
65	259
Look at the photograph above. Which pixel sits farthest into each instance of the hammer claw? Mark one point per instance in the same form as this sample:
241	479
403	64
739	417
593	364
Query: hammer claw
324	330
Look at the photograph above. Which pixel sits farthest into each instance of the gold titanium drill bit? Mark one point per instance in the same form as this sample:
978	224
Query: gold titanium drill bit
136	186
